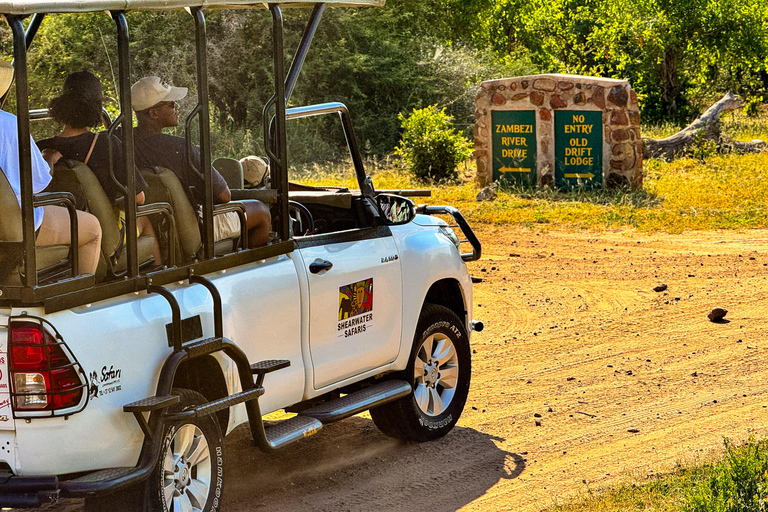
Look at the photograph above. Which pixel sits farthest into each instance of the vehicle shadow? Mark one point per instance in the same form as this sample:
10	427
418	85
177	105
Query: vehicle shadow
352	466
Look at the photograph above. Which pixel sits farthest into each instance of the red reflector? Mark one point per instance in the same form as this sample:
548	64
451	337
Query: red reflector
28	358
27	350
65	380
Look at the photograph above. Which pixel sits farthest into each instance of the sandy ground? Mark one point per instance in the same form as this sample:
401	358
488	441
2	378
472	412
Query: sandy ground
584	377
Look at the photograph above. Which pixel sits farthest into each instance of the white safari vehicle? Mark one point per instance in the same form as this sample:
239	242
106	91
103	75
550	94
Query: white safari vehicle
119	387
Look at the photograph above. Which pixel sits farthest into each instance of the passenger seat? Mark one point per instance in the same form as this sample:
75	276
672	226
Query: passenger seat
77	178
164	186
51	259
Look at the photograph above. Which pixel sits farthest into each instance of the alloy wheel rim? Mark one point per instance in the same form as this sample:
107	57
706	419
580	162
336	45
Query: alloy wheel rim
435	374
187	470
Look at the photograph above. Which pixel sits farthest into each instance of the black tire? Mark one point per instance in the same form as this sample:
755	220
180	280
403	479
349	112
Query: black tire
441	385
179	482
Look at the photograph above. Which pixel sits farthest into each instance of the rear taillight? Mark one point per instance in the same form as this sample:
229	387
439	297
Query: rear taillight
44	374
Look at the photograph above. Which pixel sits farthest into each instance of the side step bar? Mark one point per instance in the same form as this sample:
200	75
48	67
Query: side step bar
309	421
217	405
359	401
288	431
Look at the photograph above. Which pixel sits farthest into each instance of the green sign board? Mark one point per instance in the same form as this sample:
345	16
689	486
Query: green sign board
578	148
514	147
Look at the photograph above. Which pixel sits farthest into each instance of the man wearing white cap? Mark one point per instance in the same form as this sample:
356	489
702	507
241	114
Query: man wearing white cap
156	109
51	222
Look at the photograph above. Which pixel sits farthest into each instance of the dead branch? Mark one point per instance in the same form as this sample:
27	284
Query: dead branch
705	128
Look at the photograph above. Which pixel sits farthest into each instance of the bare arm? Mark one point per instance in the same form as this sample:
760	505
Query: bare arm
51	156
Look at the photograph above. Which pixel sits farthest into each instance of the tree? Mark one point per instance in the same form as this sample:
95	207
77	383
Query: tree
674	52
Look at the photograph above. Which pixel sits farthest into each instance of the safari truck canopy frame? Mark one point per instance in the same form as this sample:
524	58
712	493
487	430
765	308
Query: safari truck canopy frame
73	291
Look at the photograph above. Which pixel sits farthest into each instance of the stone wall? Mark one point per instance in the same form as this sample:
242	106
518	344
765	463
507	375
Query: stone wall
549	96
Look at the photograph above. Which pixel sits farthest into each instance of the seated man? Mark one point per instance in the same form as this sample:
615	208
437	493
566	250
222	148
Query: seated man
155	106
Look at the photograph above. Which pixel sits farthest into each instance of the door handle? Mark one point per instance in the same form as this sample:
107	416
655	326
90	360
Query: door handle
319	265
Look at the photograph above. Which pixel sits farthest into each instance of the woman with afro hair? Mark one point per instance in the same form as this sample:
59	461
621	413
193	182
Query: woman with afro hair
79	110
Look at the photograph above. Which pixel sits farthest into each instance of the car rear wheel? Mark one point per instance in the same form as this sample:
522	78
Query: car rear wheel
189	475
439	370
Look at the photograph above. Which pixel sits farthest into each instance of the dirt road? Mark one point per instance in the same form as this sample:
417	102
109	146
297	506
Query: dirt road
583	377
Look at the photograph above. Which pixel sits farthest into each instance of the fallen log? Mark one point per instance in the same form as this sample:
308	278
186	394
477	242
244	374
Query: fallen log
703	129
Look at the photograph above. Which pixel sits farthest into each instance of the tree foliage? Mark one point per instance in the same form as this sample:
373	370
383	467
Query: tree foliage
380	62
674	52
414	53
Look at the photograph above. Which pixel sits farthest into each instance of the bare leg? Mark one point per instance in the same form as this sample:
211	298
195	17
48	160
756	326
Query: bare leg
145	229
55	231
258	222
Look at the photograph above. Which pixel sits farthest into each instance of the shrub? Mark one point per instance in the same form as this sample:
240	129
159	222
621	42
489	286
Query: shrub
430	146
738	484
752	108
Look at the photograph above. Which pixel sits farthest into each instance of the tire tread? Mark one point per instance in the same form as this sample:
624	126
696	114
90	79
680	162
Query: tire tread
400	419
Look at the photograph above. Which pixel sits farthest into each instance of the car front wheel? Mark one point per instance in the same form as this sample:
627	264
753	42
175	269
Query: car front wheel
439	370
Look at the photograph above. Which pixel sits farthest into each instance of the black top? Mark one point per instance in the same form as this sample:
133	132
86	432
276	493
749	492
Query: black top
76	148
170	151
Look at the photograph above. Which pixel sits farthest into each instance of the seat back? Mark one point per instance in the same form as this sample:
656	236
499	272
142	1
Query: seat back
231	170
78	178
163	186
10	213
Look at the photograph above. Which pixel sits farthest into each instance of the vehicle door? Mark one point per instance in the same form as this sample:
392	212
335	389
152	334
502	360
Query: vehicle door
355	302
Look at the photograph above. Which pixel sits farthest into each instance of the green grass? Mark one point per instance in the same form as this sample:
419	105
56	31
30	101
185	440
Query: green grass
720	191
736	481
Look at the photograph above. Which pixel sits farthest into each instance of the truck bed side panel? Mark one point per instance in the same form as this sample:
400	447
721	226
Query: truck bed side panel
122	344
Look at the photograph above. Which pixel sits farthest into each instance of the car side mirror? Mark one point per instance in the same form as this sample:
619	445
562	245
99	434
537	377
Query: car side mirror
395	210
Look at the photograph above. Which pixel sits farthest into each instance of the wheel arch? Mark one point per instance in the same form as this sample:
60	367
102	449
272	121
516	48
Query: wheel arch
204	375
447	292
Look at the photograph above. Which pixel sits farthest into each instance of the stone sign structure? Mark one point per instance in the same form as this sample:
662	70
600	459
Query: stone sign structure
558	130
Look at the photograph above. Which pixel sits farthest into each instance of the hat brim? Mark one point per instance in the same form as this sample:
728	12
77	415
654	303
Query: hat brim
176	94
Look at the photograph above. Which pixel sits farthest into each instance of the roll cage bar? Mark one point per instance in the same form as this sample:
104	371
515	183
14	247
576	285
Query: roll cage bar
79	290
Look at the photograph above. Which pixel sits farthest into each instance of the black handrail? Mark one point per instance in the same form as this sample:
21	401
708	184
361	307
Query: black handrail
66	200
218	330
239	209
25	149
188	140
29	36
110	132
280	164
166	210
465	228
302	50
204	126
124	75
175	314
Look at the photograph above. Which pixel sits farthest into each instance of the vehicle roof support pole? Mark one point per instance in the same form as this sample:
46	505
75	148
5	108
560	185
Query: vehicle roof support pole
366	185
205	128
279	148
302	50
124	82
25	149
32	28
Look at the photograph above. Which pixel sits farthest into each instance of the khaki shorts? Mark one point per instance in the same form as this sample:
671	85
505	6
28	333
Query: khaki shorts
226	225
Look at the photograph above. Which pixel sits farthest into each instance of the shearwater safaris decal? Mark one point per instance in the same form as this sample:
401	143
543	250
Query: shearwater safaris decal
355	308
